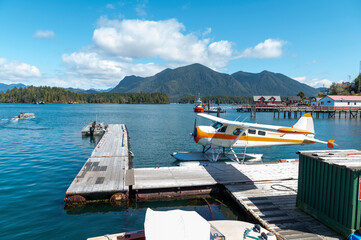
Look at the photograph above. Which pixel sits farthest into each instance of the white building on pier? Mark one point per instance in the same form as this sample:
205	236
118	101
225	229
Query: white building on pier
340	101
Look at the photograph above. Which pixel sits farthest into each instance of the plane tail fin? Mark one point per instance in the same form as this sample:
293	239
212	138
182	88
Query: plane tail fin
305	123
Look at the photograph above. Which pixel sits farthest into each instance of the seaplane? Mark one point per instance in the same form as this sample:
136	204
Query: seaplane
224	135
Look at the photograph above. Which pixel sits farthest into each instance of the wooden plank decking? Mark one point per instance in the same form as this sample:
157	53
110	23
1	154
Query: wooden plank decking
104	171
267	191
274	205
211	174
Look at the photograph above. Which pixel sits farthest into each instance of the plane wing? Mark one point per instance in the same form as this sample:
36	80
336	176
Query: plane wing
280	129
240	124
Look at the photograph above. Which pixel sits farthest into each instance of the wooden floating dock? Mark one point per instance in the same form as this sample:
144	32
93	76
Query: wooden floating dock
104	173
267	191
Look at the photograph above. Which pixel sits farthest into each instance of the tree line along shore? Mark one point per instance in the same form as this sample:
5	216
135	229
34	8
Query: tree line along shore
33	94
46	94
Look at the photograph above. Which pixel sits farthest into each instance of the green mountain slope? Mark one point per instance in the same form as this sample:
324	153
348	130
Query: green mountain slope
197	79
184	81
268	83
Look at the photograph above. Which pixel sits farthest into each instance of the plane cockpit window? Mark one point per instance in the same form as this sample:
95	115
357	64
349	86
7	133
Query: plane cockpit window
237	131
251	131
217	125
263	133
223	129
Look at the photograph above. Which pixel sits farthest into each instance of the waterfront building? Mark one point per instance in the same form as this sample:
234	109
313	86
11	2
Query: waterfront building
340	101
266	100
293	100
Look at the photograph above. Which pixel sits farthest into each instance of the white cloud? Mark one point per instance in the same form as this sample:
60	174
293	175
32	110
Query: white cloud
140	9
14	71
311	63
44	34
270	48
207	31
110	6
93	71
137	39
300	79
314	82
119	46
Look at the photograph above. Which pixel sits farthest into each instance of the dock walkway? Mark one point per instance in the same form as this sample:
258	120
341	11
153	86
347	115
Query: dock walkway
105	171
273	204
267	191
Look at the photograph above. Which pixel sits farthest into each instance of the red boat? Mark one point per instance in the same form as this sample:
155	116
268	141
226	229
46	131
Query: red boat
198	108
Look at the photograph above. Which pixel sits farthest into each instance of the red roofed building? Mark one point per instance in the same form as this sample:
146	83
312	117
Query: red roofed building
341	101
266	100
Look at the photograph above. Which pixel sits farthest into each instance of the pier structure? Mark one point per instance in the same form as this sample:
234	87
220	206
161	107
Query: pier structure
104	173
266	191
297	111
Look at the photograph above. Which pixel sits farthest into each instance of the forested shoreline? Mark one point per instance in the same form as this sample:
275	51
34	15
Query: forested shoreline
46	94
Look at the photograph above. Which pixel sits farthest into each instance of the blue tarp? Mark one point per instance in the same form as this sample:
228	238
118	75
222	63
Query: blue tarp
354	236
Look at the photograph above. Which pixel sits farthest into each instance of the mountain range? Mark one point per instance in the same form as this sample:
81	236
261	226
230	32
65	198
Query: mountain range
91	90
4	87
197	79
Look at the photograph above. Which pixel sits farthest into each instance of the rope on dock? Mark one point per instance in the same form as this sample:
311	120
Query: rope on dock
280	185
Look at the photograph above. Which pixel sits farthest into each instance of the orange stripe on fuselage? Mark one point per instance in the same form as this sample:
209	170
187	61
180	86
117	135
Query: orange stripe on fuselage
201	134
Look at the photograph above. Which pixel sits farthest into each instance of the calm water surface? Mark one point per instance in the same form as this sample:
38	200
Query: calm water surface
40	157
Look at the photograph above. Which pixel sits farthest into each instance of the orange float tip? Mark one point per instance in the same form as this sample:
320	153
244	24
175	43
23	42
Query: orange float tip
306	115
331	143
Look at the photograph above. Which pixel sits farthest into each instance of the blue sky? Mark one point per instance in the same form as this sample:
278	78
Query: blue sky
94	44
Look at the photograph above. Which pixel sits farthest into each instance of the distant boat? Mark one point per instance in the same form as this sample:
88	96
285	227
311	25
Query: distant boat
198	108
214	109
25	116
99	129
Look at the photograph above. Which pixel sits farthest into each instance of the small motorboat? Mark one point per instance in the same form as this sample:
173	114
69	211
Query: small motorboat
185	225
25	116
90	130
214	110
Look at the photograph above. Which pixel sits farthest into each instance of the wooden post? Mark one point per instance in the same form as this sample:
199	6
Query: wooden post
253	111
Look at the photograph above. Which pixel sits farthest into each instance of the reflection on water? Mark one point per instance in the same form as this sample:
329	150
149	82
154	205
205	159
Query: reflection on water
93	140
210	208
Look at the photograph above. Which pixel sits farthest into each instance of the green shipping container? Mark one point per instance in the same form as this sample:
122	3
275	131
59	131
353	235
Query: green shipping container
329	188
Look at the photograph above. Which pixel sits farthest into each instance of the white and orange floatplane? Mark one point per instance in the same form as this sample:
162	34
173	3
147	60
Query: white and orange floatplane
226	135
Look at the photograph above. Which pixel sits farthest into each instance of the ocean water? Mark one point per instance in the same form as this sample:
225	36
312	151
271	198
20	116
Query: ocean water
40	157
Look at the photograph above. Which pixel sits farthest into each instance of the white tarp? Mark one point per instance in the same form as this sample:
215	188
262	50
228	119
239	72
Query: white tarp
175	225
